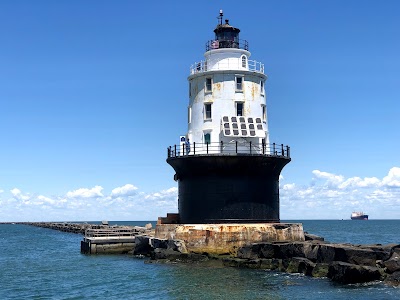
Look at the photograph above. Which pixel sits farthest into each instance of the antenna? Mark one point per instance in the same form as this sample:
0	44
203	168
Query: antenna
221	14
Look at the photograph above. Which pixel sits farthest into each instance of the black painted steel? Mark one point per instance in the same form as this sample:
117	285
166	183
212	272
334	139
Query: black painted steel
228	189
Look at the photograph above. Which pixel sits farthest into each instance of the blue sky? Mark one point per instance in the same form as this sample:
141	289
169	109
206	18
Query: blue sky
93	92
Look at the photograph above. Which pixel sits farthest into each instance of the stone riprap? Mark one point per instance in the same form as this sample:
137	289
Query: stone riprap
343	263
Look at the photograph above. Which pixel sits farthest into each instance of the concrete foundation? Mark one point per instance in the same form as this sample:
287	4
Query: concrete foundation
227	238
107	246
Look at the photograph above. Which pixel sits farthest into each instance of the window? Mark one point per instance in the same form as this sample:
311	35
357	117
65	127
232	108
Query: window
264	112
244	61
239	83
208	84
262	87
239	109
189	114
190	89
207	111
207	138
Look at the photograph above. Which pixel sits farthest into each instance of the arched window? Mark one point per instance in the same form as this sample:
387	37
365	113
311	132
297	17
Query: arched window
244	61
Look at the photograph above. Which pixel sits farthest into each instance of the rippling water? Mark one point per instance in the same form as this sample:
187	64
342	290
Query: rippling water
38	263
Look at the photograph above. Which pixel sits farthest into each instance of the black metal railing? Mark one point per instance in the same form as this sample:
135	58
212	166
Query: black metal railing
224	43
231	148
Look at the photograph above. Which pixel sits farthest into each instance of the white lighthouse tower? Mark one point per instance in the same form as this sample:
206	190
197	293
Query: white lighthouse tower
227	101
227	169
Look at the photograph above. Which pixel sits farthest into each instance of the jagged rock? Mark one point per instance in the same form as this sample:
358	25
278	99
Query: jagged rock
393	279
393	264
320	270
177	245
159	243
311	251
312	237
249	251
234	262
289	250
300	265
355	255
326	253
142	245
267	250
271	263
168	254
242	263
383	252
349	273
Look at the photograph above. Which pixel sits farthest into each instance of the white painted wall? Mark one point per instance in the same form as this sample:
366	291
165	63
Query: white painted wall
223	65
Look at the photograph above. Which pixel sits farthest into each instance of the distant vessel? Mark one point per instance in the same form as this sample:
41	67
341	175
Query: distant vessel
359	215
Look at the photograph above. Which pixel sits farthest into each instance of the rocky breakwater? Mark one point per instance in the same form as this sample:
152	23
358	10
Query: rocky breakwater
78	228
344	263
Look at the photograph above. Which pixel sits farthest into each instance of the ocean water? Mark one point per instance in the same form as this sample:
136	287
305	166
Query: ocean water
38	263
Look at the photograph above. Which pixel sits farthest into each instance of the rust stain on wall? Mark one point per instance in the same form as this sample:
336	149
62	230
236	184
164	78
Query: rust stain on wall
227	238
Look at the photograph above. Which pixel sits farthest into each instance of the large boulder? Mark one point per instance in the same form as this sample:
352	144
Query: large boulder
177	245
159	243
312	237
383	252
393	279
242	263
288	250
142	245
392	265
349	273
267	250
326	253
162	254
356	255
300	265
320	270
249	251
271	264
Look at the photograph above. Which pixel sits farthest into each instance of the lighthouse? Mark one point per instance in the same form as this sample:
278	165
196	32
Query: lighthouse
225	165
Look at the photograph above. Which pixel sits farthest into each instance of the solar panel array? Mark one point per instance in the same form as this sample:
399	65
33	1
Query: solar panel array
242	126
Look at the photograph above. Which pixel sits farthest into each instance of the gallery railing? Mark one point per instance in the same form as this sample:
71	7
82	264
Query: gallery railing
231	148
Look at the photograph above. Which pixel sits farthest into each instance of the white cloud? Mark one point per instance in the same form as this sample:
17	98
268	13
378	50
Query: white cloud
358	182
289	186
333	196
393	178
46	200
86	193
163	194
1	191
332	178
17	194
327	196
126	190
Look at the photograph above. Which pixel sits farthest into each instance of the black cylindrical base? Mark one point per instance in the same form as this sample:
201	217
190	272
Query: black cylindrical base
228	189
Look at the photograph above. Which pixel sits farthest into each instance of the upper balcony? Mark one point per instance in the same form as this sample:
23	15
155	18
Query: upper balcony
227	43
229	64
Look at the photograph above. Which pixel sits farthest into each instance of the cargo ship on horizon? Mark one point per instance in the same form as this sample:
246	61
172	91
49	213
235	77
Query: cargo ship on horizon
358	215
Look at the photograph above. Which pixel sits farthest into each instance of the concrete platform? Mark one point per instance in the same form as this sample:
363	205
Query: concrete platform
227	238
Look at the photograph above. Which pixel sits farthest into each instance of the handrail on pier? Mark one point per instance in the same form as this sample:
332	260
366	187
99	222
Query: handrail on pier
111	232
